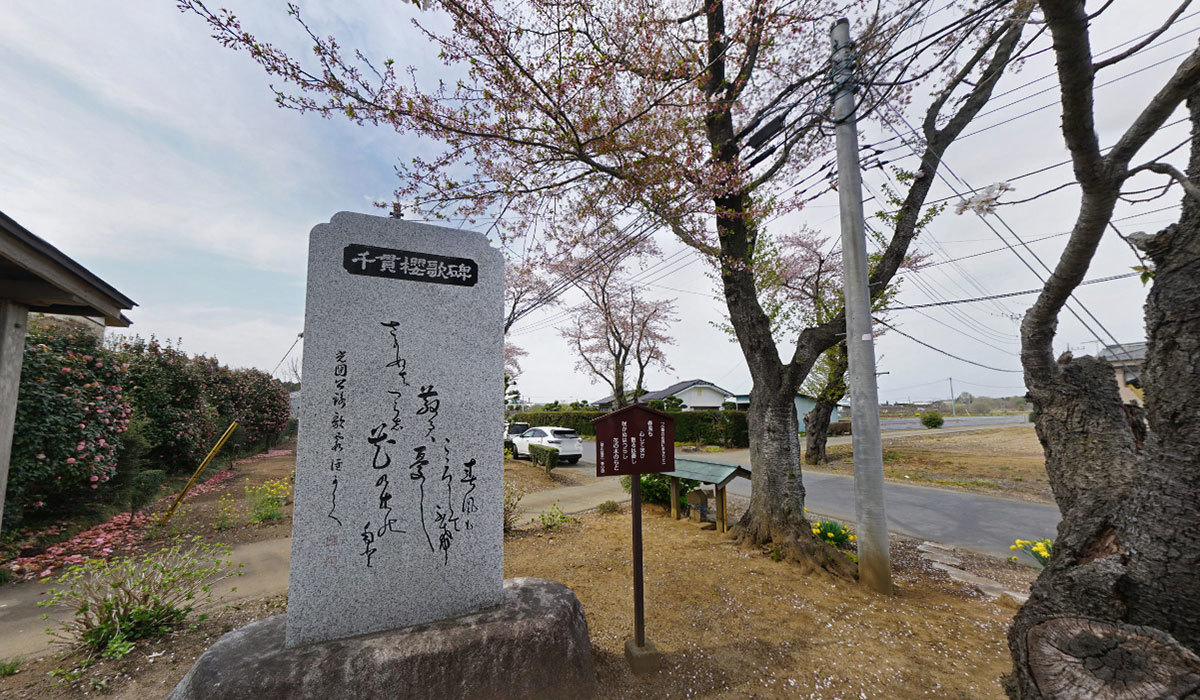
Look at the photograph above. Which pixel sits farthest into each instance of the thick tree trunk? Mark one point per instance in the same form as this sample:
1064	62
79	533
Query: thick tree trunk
776	513
816	421
1116	613
816	431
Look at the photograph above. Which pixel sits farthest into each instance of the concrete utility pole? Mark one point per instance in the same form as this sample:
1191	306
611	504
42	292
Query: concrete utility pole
874	558
953	410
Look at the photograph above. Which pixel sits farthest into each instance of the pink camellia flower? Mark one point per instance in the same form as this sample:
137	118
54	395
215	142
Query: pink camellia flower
46	573
93	477
41	456
94	485
70	460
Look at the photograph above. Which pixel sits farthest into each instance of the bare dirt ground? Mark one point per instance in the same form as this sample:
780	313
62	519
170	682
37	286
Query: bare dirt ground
530	477
1006	461
730	622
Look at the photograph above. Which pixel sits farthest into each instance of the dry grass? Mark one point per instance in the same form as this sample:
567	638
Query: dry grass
530	477
1003	461
732	623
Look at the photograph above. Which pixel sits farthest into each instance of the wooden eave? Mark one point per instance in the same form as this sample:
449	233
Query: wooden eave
40	276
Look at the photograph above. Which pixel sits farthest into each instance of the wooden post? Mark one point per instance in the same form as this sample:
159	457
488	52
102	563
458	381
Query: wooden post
639	617
675	497
722	525
13	321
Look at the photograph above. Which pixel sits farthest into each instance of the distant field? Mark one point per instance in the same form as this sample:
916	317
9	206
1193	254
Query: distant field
1007	461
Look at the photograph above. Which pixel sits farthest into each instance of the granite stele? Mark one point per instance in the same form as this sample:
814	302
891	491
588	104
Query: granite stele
397	518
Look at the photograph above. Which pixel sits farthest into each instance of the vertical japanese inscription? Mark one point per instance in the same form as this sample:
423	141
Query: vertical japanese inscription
337	424
398	492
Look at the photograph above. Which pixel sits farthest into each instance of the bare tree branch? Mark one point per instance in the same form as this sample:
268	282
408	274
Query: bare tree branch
1096	67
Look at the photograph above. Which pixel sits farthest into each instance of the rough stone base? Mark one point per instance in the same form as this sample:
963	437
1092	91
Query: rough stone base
535	645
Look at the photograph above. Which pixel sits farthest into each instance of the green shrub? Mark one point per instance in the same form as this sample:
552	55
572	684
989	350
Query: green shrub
656	488
544	456
115	602
1040	550
10	666
832	533
70	418
267	499
169	390
579	421
1033	416
726	428
552	518
512	503
932	419
841	427
608	508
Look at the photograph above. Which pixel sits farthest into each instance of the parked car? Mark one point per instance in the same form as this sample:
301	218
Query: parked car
511	430
570	446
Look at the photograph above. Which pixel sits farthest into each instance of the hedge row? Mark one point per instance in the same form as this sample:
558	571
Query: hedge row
727	428
79	403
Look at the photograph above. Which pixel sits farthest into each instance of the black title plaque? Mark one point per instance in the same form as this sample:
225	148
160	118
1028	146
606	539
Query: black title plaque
634	440
373	261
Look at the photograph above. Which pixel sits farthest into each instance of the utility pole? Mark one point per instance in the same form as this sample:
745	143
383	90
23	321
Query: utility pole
874	558
953	410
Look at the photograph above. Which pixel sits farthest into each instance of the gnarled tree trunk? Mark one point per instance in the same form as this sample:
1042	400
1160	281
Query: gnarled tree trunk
1116	612
816	421
776	513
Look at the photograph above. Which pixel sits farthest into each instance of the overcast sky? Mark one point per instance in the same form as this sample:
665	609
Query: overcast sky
137	145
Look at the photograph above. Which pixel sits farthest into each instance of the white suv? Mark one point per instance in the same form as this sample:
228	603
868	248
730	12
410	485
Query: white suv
566	440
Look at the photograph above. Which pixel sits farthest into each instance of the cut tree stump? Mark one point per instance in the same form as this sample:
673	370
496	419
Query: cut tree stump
1071	657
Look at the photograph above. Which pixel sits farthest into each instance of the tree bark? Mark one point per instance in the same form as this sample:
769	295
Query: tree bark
1116	612
816	421
816	432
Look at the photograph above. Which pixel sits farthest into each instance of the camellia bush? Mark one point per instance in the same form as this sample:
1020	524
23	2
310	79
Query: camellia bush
170	391
258	402
72	410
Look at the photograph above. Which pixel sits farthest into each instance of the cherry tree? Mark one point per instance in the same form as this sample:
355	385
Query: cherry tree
617	332
1116	611
697	118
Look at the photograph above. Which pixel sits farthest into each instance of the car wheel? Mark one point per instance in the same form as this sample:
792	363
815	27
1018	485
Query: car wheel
516	452
572	460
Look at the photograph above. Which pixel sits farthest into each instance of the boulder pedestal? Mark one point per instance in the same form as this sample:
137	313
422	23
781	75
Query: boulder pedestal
535	645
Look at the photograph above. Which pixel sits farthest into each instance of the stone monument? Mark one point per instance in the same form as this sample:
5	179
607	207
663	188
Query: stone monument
398	476
397	556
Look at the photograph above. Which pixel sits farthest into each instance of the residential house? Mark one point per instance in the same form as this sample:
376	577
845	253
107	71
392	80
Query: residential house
804	404
696	395
1126	361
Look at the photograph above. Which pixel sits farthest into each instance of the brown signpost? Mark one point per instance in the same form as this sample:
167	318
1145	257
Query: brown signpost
632	441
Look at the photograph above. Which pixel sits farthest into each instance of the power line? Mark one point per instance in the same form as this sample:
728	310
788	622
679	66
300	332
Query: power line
1098	280
947	354
289	352
992	228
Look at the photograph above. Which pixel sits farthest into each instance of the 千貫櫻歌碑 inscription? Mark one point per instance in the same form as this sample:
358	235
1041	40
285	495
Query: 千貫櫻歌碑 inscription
372	261
398	488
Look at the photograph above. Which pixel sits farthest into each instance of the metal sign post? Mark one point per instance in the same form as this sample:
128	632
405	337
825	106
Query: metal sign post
632	441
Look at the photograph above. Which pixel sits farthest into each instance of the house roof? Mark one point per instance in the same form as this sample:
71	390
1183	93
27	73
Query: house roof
1125	354
41	277
670	391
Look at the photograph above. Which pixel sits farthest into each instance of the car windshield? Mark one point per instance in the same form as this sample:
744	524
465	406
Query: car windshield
565	433
517	428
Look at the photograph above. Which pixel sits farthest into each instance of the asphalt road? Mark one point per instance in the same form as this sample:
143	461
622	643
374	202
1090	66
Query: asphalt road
952	422
986	524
